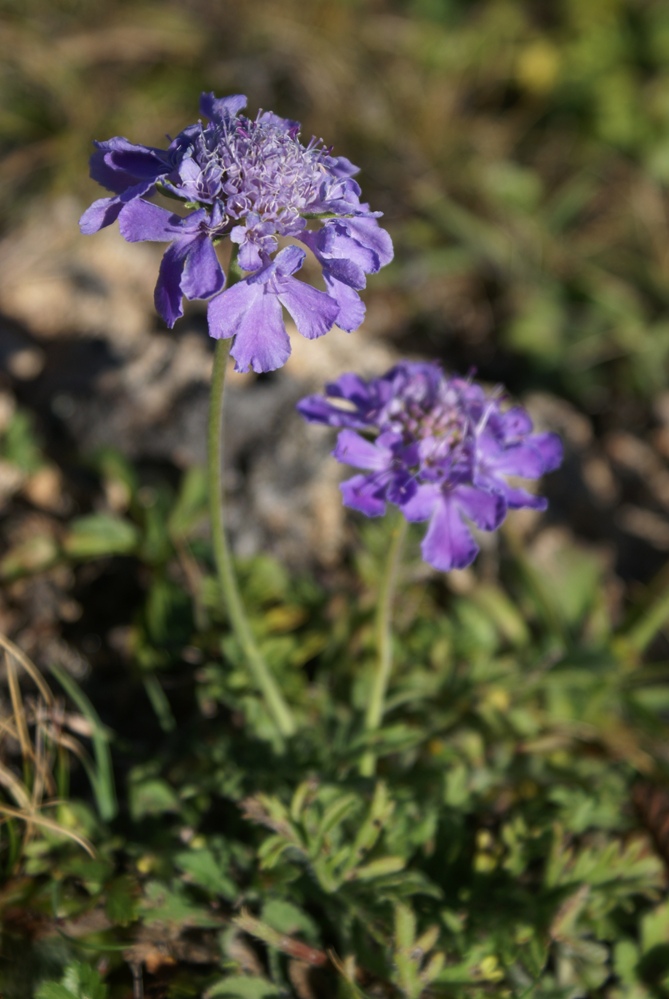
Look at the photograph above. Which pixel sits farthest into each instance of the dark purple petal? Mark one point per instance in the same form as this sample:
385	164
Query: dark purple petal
203	275
118	164
486	509
402	488
168	295
448	543
362	493
221	108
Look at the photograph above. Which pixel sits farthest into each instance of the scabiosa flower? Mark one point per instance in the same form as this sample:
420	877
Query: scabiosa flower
442	450
254	181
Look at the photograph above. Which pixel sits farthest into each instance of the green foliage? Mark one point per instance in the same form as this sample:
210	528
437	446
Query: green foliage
480	862
79	981
522	154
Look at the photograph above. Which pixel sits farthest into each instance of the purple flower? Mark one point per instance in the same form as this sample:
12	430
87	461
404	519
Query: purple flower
441	450
255	182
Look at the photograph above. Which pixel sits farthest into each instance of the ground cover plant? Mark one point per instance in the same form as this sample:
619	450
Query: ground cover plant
435	766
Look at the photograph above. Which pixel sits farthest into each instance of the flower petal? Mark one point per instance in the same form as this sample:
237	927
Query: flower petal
221	108
422	504
552	450
142	220
352	449
104	211
448	543
369	233
253	316
289	260
313	312
351	307
168	295
203	275
487	509
118	163
362	493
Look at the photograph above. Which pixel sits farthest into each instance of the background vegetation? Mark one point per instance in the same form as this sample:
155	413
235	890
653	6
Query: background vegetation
154	837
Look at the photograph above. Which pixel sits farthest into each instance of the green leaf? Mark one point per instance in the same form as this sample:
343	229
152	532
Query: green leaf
171	904
84	981
30	556
191	504
122	900
152	797
100	534
79	981
405	927
378	868
53	990
101	775
287	918
242	987
207	871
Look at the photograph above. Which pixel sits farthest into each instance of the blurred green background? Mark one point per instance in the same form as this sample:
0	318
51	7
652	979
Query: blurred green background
520	151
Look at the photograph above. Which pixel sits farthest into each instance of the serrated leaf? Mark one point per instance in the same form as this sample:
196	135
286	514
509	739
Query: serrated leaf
79	981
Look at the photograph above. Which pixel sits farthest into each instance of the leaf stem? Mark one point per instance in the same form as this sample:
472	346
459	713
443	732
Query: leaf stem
262	676
384	641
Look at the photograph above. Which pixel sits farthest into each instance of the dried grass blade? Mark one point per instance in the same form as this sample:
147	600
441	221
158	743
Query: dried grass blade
30	668
41	820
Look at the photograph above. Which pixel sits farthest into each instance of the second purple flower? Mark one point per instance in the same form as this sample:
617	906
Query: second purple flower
441	449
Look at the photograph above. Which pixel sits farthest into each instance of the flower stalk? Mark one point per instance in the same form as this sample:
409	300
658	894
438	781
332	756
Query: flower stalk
384	641
262	677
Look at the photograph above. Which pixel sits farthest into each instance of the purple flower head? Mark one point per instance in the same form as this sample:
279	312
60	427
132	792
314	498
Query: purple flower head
252	180
442	450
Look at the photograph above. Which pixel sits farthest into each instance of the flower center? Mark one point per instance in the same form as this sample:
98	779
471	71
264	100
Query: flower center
257	166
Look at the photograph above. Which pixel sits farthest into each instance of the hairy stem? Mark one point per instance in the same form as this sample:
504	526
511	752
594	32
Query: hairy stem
262	676
384	641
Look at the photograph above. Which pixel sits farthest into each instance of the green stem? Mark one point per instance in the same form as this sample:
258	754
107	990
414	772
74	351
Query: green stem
264	680
384	641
